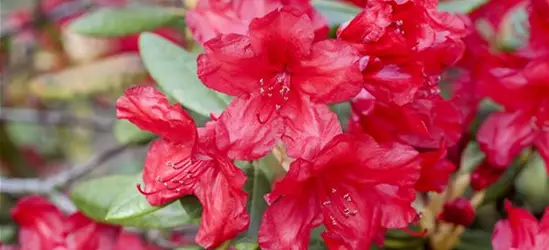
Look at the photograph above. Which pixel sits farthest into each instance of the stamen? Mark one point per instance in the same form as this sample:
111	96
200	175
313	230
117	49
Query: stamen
143	192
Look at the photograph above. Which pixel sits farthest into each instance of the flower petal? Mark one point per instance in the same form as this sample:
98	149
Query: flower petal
244	133
288	222
169	172
524	227
41	223
284	36
224	204
331	73
503	135
229	65
150	110
435	171
308	127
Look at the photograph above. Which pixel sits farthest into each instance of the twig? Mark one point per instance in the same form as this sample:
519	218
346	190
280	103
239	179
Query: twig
61	11
54	117
45	186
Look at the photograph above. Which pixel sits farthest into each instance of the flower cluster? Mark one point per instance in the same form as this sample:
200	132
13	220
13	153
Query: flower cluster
274	58
45	227
515	79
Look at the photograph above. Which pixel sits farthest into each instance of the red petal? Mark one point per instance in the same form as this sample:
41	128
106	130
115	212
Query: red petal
170	172
284	36
224	204
331	73
41	223
542	239
244	132
502	235
354	232
485	175
503	135
524	226
459	211
287	223
435	171
149	109
367	26
307	128
229	65
88	234
213	17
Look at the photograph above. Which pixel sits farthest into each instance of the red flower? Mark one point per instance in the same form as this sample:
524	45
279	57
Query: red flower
521	231
435	171
215	17
281	81
424	123
405	45
184	161
485	175
525	121
44	227
131	241
354	186
458	211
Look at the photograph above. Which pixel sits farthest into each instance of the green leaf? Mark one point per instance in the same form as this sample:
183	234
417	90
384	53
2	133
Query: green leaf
257	185
513	30
97	197
126	132
533	183
174	69
246	246
271	167
460	6
336	12
112	22
129	203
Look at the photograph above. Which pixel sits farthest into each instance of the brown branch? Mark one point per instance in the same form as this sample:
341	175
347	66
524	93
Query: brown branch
65	178
54	117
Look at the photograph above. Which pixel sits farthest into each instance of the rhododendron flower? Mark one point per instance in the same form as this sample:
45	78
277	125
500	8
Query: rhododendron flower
435	171
214	17
281	81
44	227
131	241
185	161
424	123
354	186
405	45
525	121
485	175
459	211
521	231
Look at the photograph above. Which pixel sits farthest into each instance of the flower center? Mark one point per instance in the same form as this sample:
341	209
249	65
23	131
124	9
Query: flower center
184	174
276	89
540	121
338	206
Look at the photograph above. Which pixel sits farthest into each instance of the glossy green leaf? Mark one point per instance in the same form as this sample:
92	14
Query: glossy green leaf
112	22
126	132
257	185
174	69
246	246
513	30
129	203
460	6
533	183
335	11
97	197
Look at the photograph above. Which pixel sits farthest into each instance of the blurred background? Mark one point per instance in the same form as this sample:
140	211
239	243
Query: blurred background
57	94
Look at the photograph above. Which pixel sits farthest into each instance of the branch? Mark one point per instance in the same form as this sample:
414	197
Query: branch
54	117
63	10
47	185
